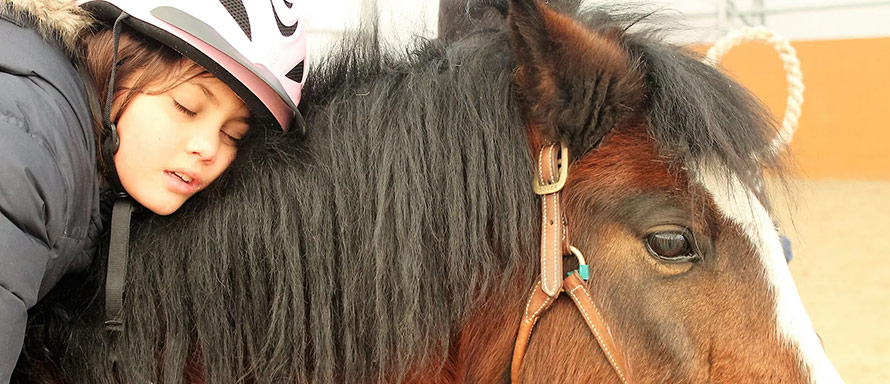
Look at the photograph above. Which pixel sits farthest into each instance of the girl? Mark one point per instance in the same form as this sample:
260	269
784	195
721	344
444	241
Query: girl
108	98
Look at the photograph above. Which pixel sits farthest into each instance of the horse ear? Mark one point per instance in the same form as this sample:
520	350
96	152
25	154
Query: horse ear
574	83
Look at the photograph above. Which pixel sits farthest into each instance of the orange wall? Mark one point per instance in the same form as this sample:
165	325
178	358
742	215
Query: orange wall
844	130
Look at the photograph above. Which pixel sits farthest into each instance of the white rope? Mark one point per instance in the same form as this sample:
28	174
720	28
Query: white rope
792	73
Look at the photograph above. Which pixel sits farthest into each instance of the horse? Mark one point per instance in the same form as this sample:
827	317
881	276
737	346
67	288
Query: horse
398	238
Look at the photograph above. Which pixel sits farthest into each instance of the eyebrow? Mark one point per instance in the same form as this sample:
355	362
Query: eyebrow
207	92
214	100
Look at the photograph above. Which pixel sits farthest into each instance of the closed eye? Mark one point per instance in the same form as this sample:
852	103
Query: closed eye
230	139
232	133
183	109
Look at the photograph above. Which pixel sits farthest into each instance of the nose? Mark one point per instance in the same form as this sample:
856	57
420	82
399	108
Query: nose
204	143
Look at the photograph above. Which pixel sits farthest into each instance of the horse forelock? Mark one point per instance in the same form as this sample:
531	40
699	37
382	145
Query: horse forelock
695	113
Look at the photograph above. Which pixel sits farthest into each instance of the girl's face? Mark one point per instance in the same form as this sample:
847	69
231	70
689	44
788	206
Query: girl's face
173	144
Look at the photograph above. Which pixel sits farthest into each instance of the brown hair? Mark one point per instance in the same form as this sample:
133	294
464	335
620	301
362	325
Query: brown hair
141	62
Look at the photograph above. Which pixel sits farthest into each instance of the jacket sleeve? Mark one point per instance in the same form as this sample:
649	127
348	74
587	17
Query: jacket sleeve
29	178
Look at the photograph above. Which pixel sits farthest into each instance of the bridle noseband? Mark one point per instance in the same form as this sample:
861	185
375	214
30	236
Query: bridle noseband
550	178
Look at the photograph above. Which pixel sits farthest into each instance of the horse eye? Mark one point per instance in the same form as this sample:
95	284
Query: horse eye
671	247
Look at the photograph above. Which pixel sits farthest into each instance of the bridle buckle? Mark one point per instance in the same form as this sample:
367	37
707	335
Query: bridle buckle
546	189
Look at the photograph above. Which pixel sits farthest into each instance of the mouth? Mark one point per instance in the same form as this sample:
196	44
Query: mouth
185	178
184	182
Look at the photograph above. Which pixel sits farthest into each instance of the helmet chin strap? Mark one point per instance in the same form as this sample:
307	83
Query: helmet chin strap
118	247
112	141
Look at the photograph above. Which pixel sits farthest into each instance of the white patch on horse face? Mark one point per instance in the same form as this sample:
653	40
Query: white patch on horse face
742	207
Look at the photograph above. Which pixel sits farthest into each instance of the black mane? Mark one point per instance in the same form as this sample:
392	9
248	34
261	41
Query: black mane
354	252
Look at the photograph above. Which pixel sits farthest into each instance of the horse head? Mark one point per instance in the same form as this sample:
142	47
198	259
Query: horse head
663	200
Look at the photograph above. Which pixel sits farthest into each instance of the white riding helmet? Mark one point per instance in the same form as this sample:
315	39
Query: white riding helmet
256	47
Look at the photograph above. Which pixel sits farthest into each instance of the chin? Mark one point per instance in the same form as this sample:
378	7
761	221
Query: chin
154	198
161	208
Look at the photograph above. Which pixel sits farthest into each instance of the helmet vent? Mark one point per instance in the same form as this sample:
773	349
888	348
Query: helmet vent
237	11
296	73
285	29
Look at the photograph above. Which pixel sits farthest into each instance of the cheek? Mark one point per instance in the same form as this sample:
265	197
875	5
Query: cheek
228	156
224	159
132	144
141	126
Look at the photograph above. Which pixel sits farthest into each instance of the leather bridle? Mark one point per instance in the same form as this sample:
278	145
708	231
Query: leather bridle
550	178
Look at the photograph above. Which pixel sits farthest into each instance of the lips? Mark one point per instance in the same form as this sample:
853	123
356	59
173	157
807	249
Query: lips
183	181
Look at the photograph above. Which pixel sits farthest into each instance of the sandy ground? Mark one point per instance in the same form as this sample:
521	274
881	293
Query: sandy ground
840	235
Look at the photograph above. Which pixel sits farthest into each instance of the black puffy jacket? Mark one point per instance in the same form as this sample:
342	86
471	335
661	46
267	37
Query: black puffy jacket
49	189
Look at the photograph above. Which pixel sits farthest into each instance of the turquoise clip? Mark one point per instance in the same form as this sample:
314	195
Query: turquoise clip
583	268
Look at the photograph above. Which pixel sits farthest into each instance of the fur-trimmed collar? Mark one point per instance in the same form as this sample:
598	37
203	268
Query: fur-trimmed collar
54	20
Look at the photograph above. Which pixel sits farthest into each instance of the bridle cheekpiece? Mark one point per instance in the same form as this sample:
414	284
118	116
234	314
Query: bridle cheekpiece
550	179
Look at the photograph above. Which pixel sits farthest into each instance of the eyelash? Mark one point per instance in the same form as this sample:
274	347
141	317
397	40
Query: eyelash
233	139
183	109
